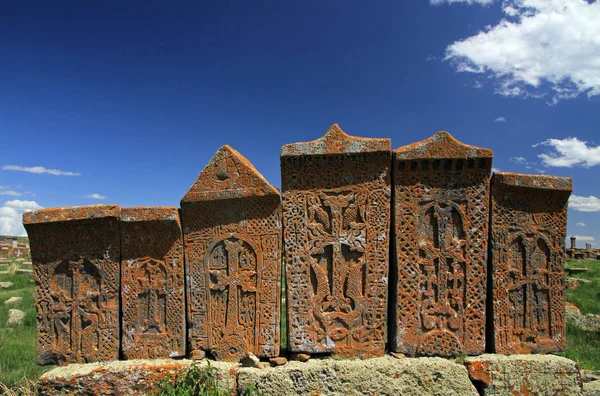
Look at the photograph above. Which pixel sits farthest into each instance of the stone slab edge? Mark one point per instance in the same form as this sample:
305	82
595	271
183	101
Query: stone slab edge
533	181
71	213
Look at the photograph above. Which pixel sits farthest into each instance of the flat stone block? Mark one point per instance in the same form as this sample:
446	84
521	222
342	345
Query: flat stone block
152	283
528	230
130	377
232	230
441	207
377	376
336	214
76	262
524	375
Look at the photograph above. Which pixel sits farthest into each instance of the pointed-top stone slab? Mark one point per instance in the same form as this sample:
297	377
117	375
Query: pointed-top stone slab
440	146
335	141
228	175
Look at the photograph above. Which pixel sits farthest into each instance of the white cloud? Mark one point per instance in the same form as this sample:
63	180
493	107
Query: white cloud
500	119
584	204
494	170
583	238
580	224
541	47
438	2
570	152
95	196
4	190
522	161
39	170
11	216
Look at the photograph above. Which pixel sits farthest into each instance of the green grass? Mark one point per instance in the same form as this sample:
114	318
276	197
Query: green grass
584	346
17	344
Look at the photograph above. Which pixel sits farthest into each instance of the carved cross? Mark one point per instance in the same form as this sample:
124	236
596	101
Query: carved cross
232	278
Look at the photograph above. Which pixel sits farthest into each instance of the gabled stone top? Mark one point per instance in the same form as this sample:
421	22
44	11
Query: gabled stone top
228	175
442	145
150	213
533	181
71	213
335	141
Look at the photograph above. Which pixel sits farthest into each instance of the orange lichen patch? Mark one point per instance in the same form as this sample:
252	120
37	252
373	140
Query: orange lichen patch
228	175
152	283
232	229
442	145
336	229
441	201
70	213
572	308
541	182
150	213
528	225
335	141
76	259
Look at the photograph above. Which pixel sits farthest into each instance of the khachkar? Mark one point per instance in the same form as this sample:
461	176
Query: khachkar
441	210
232	231
76	258
529	219
152	283
336	215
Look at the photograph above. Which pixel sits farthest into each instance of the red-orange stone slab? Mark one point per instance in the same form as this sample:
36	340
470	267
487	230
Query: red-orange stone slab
336	215
232	231
152	283
76	259
441	210
529	223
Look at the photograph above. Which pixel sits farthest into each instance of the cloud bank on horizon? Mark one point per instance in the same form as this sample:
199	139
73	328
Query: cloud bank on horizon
541	48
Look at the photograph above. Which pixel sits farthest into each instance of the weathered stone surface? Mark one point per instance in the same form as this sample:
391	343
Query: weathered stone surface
278	361
441	203
336	204
131	377
528	230
377	376
152	283
591	388
21	271
232	230
76	256
524	375
13	301
5	285
15	317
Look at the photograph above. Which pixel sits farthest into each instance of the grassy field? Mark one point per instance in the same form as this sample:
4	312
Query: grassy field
584	346
17	343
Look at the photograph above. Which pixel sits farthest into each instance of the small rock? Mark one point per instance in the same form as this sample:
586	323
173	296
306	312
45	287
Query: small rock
302	357
15	317
571	310
5	285
576	270
24	272
251	360
278	361
262	365
398	355
571	283
197	355
13	301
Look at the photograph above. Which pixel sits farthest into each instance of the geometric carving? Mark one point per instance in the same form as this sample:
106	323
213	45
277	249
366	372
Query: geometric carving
152	283
336	214
528	230
232	231
441	206
76	258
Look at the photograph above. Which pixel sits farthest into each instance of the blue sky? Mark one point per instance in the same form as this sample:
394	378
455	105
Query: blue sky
126	102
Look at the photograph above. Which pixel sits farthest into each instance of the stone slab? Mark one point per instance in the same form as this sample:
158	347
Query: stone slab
336	214
232	231
152	283
130	377
528	230
376	376
76	260
441	209
524	375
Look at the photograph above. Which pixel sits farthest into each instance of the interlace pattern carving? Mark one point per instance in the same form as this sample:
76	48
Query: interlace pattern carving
528	233
441	226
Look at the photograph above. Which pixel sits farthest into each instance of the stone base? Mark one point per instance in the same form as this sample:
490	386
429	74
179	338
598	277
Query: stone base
524	375
490	374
